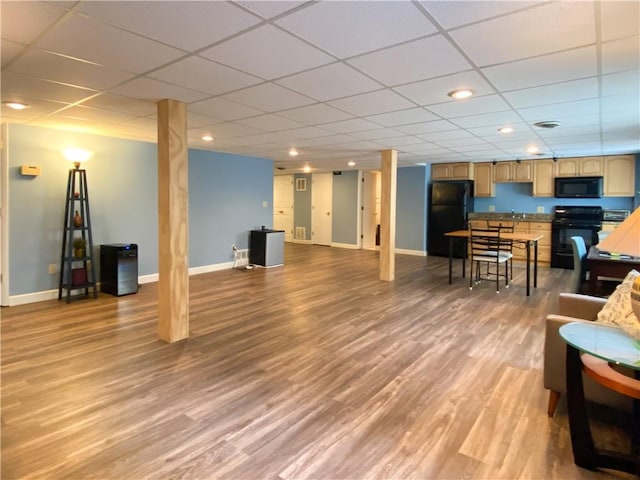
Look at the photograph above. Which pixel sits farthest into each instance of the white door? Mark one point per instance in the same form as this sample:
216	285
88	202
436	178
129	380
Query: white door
283	205
321	206
370	208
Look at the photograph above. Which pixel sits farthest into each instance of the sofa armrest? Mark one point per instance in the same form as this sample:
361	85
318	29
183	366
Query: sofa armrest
555	349
580	306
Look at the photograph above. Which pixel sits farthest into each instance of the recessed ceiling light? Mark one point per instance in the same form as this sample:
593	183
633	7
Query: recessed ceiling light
207	138
461	93
351	163
532	149
547	124
306	169
506	129
15	105
293	152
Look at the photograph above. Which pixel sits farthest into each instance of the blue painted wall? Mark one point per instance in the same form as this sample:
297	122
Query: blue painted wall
345	208
225	201
411	208
302	205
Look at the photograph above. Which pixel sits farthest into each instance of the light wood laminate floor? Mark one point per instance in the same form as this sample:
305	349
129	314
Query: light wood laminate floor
313	370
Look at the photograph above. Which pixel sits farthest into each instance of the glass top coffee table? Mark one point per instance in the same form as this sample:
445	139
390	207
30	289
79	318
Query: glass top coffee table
592	347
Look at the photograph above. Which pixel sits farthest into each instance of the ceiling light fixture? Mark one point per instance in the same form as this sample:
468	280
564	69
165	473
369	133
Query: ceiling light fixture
306	169
207	138
293	152
506	129
351	163
547	124
533	150
461	93
16	105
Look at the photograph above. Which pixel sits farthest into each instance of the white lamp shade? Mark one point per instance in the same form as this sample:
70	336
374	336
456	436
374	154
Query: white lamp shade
624	240
77	154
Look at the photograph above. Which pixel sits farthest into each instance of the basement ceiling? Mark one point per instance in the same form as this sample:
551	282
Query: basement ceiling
337	80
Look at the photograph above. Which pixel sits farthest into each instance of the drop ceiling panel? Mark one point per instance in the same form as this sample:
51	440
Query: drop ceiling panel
418	60
122	104
621	55
330	82
39	63
555	111
378	134
37	108
372	103
556	93
197	25
331	25
271	9
318	113
435	90
427	127
495	120
9	50
619	19
269	97
91	114
232	129
548	28
325	140
197	120
204	75
451	14
553	68
260	53
446	135
271	123
396	142
471	106
108	46
223	109
25	88
362	145
23	22
307	132
348	126
624	83
403	117
154	90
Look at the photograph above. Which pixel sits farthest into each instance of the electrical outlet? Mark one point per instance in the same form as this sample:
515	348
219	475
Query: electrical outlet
539	209
52	269
265	204
491	208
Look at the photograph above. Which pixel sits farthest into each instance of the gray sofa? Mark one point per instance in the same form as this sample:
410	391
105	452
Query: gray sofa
573	307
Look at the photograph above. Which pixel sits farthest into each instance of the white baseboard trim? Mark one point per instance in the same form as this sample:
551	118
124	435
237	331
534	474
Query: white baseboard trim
417	253
25	298
150	278
351	246
297	240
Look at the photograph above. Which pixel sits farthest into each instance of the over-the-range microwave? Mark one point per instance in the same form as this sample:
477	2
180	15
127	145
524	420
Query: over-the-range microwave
578	187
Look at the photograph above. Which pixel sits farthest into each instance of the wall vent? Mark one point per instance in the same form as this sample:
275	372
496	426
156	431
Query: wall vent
301	233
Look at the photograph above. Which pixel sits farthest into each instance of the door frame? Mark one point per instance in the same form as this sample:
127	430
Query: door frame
315	192
288	236
4	215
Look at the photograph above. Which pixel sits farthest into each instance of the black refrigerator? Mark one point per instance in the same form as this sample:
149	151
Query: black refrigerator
449	204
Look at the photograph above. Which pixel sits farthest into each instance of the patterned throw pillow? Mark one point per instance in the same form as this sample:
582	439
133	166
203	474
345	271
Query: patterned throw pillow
618	311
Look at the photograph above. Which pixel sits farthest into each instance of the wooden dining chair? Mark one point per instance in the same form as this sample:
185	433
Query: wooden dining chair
487	247
505	227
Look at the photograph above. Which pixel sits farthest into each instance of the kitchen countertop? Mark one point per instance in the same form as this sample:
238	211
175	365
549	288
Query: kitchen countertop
508	216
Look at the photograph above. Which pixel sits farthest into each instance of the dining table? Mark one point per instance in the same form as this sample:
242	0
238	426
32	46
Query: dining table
529	240
605	264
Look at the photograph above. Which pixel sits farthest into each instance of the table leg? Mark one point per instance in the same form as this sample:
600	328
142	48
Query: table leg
464	257
528	267
450	259
581	440
535	264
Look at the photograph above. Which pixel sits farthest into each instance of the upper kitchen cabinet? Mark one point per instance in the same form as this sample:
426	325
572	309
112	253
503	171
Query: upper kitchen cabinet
580	167
619	176
518	171
483	185
543	178
452	171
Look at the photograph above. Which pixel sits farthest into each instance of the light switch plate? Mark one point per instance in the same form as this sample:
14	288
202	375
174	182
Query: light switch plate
539	209
491	208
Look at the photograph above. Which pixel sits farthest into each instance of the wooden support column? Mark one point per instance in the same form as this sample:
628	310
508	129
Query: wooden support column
388	215
173	222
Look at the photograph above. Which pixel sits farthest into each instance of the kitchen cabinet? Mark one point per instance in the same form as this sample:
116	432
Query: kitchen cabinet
521	171
619	176
580	167
452	171
483	185
544	244
543	178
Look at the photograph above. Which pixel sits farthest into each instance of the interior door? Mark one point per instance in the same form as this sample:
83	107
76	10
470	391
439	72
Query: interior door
283	205
321	208
370	208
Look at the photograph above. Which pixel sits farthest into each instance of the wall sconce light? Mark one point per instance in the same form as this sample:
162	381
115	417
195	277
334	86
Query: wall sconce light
77	156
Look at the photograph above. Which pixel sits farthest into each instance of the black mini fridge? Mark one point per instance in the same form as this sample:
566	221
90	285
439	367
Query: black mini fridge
119	268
